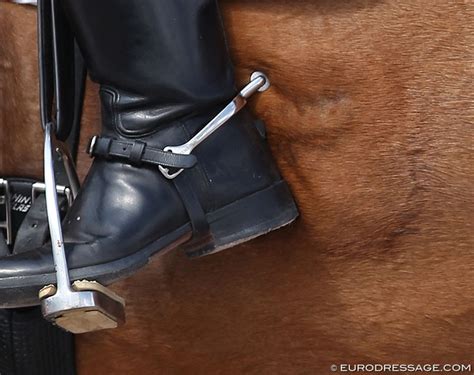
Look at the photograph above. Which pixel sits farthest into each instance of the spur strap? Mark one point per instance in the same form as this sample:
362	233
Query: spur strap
137	153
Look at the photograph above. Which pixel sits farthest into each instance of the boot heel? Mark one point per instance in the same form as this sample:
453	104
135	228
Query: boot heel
247	218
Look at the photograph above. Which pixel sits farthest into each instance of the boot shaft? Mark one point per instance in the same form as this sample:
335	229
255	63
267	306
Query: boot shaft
159	59
164	73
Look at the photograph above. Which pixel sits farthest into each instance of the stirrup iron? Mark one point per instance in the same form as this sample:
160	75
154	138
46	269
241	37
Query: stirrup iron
84	306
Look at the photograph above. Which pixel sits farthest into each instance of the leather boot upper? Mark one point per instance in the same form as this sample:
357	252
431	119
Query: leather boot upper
164	71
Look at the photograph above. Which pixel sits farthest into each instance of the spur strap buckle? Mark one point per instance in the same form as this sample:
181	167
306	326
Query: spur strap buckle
258	82
91	146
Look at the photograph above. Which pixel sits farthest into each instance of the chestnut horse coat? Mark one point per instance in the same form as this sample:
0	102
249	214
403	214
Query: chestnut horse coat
370	119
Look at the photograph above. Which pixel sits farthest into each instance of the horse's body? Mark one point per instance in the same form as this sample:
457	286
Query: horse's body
370	119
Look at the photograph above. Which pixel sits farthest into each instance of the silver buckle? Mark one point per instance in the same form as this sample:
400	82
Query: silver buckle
71	191
40	188
5	200
258	82
90	148
36	189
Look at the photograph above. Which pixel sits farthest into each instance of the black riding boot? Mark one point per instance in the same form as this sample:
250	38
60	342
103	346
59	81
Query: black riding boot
165	72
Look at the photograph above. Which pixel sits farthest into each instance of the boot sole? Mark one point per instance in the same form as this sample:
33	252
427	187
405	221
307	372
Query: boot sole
236	223
246	219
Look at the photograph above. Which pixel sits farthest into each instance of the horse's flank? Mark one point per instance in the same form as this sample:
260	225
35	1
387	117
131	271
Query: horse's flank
370	119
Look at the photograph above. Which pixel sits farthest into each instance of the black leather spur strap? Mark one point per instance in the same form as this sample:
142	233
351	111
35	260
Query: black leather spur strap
137	153
28	343
197	216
